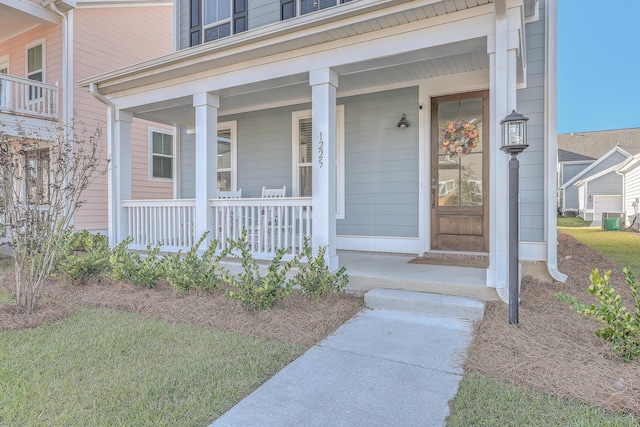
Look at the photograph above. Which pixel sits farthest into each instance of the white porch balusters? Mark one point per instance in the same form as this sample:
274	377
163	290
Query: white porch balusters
323	114
120	173
206	106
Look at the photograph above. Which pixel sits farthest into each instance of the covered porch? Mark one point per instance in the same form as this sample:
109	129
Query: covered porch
358	181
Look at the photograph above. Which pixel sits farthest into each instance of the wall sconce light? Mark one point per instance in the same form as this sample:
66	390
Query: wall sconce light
403	123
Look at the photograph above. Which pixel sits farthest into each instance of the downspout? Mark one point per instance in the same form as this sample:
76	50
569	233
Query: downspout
551	21
111	110
67	89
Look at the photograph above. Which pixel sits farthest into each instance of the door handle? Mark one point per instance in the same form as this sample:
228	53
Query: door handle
433	198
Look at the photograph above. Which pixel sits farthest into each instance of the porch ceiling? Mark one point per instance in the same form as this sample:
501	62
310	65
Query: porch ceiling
17	16
460	57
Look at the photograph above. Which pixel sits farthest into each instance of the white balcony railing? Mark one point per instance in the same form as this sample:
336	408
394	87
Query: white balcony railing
28	97
270	223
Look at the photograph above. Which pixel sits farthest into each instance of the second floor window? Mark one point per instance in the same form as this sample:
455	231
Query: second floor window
292	8
216	19
35	69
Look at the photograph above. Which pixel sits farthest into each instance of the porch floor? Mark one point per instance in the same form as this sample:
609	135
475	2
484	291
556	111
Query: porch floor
369	270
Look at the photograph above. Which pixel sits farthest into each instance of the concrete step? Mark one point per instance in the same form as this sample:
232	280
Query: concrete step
426	303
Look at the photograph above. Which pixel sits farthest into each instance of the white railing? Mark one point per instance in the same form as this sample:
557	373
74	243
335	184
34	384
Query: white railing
28	97
270	223
170	223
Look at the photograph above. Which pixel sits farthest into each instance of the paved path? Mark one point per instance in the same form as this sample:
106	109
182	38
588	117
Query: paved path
382	368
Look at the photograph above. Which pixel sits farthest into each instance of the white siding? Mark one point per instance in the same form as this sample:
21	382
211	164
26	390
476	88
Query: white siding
631	193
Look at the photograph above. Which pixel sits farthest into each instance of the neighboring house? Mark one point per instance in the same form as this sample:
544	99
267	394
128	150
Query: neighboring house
576	151
569	165
596	181
44	50
630	171
346	104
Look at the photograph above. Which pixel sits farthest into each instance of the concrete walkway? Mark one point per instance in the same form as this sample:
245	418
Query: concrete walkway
397	364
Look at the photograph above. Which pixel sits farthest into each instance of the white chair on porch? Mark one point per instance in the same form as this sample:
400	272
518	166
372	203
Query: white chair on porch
273	193
233	194
229	217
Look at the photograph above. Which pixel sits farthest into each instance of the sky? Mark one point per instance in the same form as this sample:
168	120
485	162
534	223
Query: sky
598	65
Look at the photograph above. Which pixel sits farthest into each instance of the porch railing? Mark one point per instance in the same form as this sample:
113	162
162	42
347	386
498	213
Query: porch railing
167	222
270	223
28	97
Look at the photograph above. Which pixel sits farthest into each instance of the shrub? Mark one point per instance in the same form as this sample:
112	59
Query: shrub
193	272
130	267
620	327
86	256
315	278
252	289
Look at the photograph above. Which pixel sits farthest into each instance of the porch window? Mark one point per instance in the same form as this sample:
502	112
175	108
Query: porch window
36	172
303	155
161	155
35	69
227	177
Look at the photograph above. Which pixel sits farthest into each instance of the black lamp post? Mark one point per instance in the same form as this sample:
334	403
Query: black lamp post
514	142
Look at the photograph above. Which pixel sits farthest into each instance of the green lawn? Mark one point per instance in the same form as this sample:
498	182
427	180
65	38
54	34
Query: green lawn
104	367
481	401
619	246
573	222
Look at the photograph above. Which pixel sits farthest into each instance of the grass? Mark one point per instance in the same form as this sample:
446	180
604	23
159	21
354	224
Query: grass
573	222
619	246
104	367
482	401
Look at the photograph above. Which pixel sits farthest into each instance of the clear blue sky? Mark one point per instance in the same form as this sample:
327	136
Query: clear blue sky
598	65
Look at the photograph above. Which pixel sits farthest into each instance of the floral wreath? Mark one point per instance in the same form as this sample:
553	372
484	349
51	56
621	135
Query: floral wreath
459	137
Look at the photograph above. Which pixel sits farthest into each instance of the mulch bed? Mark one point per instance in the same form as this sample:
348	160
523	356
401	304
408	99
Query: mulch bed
297	319
553	349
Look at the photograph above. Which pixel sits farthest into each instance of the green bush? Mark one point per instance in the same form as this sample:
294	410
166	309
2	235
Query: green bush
620	327
85	257
250	287
193	272
130	267
315	278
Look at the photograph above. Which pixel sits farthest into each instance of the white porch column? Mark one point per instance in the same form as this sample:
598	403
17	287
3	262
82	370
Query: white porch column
503	88
206	106
120	174
323	115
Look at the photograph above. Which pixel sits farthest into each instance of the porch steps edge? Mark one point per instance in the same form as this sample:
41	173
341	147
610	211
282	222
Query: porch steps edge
425	303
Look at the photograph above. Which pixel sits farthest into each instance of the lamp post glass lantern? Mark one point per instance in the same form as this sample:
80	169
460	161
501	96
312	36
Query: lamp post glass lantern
514	142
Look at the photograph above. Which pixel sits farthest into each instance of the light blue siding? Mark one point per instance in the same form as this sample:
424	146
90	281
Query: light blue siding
187	165
263	12
532	161
184	24
606	185
381	165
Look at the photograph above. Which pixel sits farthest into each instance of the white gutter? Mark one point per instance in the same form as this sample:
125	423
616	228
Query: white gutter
67	67
111	112
550	76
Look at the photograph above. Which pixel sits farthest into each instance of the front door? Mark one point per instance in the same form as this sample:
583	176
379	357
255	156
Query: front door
459	172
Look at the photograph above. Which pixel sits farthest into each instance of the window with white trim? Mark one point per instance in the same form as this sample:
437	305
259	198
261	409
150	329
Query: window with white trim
303	154
35	68
227	158
216	19
161	155
292	8
36	173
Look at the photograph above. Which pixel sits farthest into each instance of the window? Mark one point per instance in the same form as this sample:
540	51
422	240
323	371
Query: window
227	180
161	143
4	85
303	155
288	7
214	19
35	69
36	168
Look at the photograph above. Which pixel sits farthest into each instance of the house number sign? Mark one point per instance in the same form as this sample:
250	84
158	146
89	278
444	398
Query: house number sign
321	151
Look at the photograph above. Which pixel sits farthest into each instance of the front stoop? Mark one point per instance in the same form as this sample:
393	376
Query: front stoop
425	303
